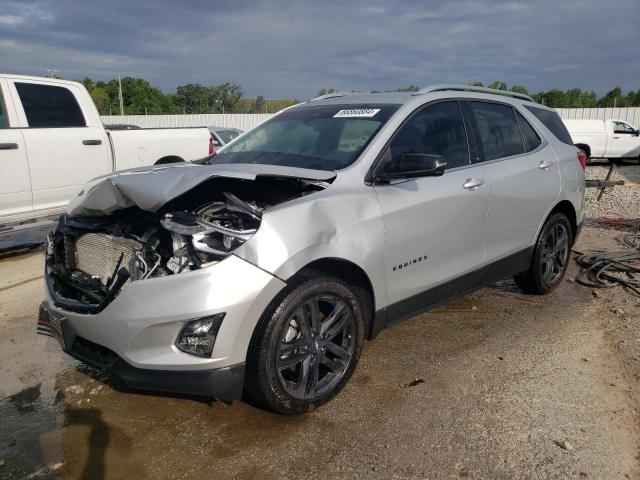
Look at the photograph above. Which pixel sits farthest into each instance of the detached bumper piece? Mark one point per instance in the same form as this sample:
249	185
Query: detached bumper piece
225	384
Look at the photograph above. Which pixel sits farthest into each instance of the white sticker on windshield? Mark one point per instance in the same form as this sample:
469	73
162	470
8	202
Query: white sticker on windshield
357	113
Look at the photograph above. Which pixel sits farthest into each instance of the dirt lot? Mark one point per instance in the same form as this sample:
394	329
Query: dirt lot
513	386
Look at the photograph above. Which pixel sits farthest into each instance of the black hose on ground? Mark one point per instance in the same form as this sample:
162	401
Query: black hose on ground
609	269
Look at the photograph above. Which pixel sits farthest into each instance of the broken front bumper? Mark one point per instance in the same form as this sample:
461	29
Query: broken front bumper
134	336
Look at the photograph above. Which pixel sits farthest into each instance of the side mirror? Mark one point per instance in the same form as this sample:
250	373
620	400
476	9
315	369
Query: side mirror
412	165
637	133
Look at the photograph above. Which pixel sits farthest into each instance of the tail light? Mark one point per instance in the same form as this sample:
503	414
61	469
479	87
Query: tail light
211	146
582	158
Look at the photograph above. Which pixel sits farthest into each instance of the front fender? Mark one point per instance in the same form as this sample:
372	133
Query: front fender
345	226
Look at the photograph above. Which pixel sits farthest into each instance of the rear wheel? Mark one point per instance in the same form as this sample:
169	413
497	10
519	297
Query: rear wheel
306	345
550	257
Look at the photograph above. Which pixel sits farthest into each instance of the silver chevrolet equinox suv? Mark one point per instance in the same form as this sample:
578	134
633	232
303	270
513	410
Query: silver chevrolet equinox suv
262	270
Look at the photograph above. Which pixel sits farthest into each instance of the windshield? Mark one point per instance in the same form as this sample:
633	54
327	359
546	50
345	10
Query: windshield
321	138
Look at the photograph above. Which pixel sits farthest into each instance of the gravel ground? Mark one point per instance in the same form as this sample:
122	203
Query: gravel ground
616	201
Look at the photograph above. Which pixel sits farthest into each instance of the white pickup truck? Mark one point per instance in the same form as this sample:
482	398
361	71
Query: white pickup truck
52	142
605	138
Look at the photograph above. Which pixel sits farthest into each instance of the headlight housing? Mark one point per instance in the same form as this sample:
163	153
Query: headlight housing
215	229
198	337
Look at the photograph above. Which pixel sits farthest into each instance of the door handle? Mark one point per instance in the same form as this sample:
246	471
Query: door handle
8	146
92	142
616	137
472	183
544	164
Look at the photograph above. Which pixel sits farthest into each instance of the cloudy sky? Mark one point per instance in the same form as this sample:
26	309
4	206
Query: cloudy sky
292	48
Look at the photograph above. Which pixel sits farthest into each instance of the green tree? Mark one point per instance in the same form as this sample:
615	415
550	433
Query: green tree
410	88
259	104
325	91
498	85
611	98
102	100
193	98
519	89
225	97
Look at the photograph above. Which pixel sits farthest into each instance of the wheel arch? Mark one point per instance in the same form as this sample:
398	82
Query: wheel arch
567	208
353	274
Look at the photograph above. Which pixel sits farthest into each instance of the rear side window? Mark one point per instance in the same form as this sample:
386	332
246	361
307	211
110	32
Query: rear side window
437	130
552	121
49	106
498	129
529	136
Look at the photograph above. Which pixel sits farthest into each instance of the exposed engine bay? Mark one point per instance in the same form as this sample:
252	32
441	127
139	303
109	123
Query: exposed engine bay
90	258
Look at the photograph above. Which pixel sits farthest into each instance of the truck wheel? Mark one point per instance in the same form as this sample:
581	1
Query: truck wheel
550	257
306	345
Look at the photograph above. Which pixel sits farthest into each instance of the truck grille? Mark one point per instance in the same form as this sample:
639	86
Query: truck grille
98	254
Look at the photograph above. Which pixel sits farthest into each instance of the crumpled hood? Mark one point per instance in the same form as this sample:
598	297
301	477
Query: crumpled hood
149	188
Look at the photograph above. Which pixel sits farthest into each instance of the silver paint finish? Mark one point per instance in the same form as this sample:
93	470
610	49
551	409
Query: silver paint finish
142	323
376	228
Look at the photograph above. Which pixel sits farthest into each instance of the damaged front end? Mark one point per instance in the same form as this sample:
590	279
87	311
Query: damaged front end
90	258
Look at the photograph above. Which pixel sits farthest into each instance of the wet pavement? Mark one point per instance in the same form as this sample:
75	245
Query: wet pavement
497	385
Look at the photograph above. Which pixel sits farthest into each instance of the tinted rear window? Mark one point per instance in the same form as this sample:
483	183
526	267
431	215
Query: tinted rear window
552	121
49	106
498	128
529	136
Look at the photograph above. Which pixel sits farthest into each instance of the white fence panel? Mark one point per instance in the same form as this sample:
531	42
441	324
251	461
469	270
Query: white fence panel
243	121
246	121
627	114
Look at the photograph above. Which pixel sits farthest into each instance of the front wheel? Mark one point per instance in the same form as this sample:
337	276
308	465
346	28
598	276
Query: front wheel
306	345
550	257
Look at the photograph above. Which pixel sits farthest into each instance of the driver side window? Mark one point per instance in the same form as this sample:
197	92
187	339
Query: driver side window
620	127
435	130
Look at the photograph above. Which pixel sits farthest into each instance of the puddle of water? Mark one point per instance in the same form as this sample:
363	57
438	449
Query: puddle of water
28	419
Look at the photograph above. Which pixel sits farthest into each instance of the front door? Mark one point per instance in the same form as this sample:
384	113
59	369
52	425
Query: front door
15	185
624	141
434	226
66	145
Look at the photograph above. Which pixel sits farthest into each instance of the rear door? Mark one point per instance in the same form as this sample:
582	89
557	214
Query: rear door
66	144
523	179
434	226
15	185
624	141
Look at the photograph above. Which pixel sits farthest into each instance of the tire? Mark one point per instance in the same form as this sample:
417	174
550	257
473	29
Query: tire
548	262
288	342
